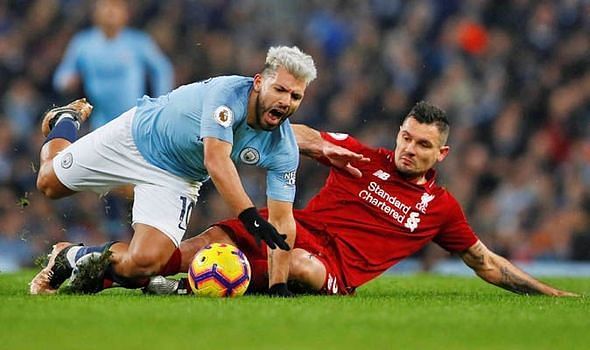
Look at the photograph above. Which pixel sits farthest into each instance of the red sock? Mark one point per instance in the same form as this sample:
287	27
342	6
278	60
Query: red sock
173	264
107	283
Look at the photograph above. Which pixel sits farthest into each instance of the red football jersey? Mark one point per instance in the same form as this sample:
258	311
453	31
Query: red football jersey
377	220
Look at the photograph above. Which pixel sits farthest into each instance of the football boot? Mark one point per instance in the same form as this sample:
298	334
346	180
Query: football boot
58	269
79	110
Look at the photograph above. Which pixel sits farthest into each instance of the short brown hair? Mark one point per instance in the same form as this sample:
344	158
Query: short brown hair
426	113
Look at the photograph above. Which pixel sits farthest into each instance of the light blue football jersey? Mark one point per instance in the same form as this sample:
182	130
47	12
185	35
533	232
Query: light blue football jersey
114	70
169	132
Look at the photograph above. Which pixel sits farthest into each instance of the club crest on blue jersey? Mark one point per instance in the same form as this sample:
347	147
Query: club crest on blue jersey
223	116
250	156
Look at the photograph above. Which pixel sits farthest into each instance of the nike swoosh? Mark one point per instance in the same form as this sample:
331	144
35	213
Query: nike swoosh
256	224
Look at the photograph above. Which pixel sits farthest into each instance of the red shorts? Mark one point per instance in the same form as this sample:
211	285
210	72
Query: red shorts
257	256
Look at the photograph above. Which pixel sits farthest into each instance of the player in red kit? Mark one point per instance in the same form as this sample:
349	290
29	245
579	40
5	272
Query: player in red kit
370	215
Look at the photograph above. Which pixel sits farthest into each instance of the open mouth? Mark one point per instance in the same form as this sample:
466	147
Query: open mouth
277	113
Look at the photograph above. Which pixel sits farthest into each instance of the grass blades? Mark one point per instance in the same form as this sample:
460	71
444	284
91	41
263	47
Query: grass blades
393	312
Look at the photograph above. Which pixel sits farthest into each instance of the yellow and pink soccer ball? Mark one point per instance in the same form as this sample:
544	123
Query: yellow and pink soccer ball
219	270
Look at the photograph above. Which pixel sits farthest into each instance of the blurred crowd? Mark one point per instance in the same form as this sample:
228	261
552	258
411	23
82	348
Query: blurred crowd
513	77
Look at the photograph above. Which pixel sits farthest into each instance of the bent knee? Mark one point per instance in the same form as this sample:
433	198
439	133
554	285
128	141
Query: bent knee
50	186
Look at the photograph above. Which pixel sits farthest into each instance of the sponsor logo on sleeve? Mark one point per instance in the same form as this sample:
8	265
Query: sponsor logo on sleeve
338	136
289	178
223	116
249	155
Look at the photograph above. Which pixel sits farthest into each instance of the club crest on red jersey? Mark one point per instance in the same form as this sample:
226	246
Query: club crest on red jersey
424	200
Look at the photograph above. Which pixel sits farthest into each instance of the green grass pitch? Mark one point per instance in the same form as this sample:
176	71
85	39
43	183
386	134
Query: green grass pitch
392	312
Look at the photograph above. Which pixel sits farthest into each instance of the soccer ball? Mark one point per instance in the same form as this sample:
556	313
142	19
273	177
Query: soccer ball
219	270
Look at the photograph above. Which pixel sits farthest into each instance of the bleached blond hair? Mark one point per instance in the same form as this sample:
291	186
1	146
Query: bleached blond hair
295	61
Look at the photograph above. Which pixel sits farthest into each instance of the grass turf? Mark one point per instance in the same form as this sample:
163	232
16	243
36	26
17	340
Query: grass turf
392	312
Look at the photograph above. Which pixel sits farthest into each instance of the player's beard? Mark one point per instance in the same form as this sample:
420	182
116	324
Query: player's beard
415	171
407	171
408	174
261	110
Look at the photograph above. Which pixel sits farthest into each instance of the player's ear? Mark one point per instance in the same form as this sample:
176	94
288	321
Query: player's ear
257	82
444	152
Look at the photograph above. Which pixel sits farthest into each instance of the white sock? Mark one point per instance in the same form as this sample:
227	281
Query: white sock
69	116
71	255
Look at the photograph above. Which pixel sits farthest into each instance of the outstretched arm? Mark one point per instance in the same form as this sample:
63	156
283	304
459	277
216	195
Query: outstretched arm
312	144
225	176
160	67
309	140
280	215
66	78
499	271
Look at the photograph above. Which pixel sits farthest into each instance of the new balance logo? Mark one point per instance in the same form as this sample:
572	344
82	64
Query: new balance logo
382	174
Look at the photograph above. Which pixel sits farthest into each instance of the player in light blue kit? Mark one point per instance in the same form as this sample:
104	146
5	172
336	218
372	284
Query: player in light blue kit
167	147
112	62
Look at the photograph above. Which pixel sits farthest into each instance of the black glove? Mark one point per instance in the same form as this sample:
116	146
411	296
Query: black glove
261	229
280	290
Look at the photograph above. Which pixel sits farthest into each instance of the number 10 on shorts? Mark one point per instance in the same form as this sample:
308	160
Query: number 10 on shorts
187	206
